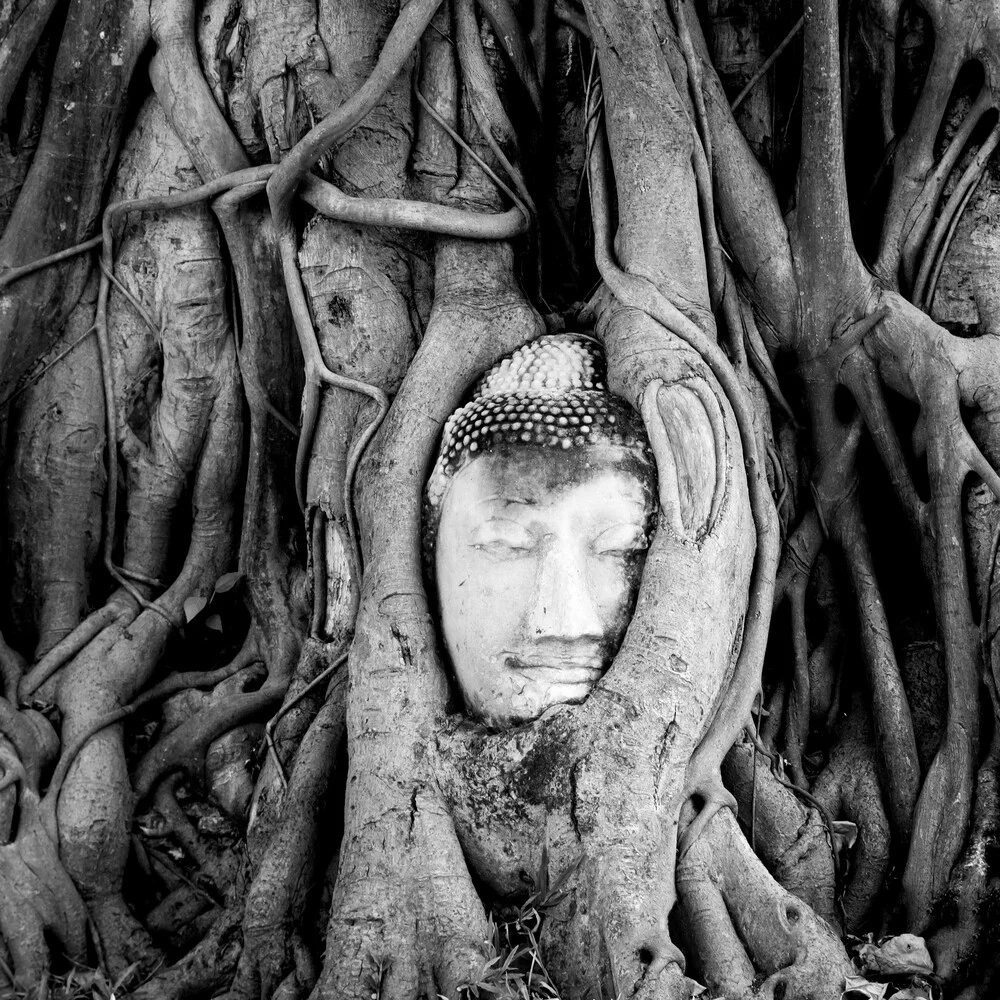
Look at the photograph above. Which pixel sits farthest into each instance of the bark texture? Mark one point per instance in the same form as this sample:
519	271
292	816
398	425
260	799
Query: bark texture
253	255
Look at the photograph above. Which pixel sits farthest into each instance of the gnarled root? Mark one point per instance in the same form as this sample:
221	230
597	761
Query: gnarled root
791	838
284	881
403	889
185	748
38	899
95	807
54	515
737	919
206	968
849	788
971	896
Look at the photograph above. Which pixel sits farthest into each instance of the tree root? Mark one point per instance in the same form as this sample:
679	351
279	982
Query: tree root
959	946
800	554
703	779
205	969
738	919
62	192
793	841
283	882
57	466
849	788
185	748
411	830
95	802
281	188
117	611
39	899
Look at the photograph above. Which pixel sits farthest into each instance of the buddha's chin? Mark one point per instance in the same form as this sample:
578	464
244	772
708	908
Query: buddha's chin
545	688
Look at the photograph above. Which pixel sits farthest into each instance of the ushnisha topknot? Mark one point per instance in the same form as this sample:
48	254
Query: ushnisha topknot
550	393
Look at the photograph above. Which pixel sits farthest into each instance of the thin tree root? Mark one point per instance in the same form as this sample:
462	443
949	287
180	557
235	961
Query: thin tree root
767	64
185	747
114	611
167	687
937	244
11	274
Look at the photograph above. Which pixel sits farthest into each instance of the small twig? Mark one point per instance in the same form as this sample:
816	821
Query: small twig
767	64
131	299
32	379
164	860
811	799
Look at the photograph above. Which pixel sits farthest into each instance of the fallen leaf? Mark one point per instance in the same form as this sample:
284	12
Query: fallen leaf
194	606
860	986
226	582
904	954
845	833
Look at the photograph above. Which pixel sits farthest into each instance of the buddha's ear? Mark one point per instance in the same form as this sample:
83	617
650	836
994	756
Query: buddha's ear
687	432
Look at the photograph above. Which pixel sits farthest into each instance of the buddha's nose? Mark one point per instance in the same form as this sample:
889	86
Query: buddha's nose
563	605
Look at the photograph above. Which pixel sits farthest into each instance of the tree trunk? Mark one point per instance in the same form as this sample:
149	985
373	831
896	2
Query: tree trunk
254	254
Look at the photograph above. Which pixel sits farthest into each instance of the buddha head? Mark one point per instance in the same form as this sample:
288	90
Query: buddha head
538	514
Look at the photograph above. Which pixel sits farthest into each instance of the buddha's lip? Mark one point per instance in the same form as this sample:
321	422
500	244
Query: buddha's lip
559	669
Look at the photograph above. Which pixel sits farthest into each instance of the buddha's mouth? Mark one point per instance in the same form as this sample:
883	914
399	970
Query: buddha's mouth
564	670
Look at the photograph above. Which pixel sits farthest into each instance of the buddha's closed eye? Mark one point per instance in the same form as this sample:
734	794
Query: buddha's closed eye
500	537
620	540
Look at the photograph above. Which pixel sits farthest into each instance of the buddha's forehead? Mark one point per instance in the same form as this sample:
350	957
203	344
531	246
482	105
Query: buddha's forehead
535	477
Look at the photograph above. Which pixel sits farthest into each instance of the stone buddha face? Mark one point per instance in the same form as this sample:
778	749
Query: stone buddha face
537	515
537	564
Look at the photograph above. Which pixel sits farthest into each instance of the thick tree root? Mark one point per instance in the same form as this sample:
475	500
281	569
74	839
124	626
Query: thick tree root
966	910
792	840
205	969
57	465
849	788
740	922
282	885
412	829
38	899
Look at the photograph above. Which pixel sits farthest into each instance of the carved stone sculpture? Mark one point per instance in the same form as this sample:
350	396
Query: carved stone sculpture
539	512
